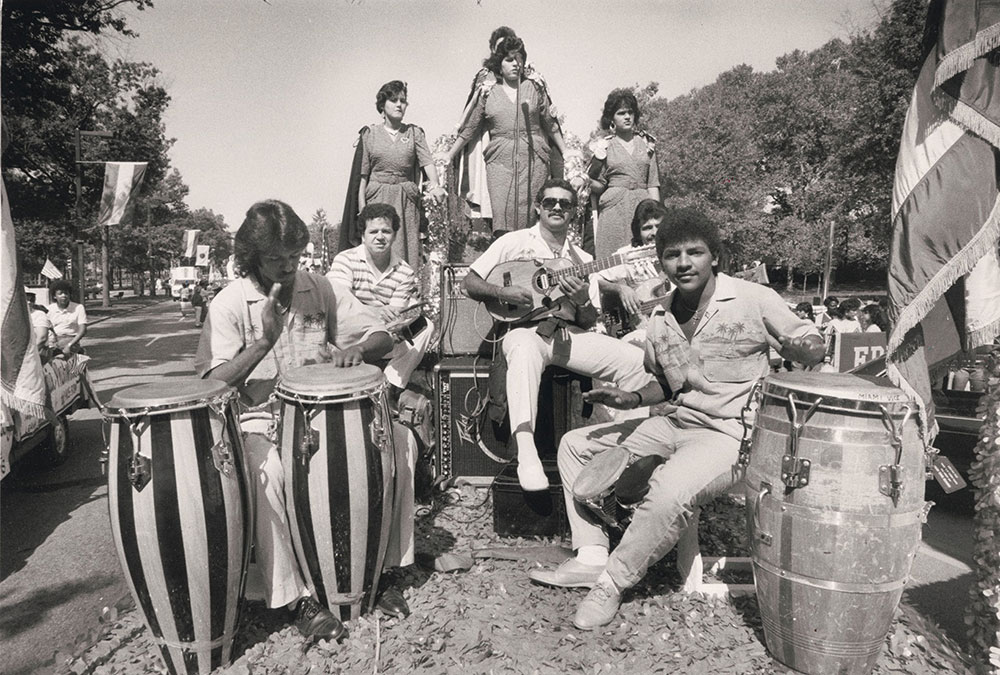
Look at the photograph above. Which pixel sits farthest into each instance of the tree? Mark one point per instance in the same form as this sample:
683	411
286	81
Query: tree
317	228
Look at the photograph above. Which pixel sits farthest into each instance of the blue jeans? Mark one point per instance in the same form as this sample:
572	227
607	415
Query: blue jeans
699	465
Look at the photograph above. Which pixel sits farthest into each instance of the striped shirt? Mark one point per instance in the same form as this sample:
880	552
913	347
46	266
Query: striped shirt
396	286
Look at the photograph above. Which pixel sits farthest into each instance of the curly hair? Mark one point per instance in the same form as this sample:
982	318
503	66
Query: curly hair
683	224
268	225
61	285
507	46
807	308
389	91
616	100
378	210
647	210
501	33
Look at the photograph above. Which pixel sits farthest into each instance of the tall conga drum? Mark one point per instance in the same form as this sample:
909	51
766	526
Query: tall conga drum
335	437
181	515
835	498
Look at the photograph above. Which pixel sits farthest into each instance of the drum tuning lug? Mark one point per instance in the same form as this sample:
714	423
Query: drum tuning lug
795	471
222	458
139	473
308	446
890	483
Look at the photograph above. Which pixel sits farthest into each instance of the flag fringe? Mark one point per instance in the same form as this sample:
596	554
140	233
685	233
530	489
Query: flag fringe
961	264
984	335
966	117
962	58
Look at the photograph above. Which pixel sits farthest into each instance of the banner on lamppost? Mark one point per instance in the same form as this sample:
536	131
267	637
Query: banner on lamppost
190	242
201	259
122	181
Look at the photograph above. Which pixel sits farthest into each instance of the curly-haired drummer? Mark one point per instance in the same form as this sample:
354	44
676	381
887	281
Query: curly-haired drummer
272	319
705	347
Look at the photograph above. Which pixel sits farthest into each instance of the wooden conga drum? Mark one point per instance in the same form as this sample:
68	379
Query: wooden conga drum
335	436
181	516
835	498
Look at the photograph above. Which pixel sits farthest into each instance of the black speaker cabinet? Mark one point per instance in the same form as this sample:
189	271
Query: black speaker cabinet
466	326
469	444
517	513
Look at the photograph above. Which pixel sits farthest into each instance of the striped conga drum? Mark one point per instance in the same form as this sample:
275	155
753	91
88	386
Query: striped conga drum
181	516
335	437
835	498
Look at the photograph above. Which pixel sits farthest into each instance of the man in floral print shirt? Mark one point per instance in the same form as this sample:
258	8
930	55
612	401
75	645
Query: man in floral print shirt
706	347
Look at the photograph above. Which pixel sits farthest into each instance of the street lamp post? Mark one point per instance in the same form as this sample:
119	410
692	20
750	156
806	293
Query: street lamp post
81	274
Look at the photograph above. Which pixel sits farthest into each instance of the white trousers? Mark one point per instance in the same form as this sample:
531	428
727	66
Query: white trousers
405	357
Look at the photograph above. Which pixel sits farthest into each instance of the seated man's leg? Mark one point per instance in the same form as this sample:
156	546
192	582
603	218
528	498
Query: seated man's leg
399	551
577	448
405	357
702	462
527	355
603	358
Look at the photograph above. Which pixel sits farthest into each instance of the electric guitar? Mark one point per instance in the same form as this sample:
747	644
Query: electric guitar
618	322
542	277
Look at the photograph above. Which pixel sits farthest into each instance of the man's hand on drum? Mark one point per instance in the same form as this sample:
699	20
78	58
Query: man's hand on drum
515	295
347	357
807	350
273	316
613	397
575	288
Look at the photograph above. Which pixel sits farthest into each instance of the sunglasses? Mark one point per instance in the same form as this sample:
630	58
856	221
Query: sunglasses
550	203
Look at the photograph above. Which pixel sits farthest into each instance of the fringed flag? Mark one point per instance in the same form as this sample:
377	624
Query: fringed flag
23	382
190	242
944	267
50	271
122	181
201	259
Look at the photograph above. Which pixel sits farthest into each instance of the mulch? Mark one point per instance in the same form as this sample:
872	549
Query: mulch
491	619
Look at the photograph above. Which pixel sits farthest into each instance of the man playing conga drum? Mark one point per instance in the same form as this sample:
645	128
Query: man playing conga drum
271	320
705	347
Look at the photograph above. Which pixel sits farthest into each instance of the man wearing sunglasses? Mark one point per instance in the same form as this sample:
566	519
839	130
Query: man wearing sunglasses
563	338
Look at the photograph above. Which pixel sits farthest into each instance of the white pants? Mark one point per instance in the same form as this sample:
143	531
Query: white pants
275	576
405	357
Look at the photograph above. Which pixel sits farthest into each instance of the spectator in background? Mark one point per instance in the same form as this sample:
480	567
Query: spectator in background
844	317
69	319
830	303
187	293
199	300
872	319
804	310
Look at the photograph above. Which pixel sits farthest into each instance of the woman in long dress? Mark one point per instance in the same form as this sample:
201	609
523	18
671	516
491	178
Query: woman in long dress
388	161
520	146
622	171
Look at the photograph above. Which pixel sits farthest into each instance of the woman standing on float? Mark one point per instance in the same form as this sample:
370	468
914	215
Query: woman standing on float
386	169
622	171
518	153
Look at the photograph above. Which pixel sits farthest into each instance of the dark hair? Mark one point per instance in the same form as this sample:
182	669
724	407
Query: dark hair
829	300
648	209
509	45
682	224
556	183
61	285
498	34
850	304
877	316
617	99
268	224
203	283
378	210
389	91
807	308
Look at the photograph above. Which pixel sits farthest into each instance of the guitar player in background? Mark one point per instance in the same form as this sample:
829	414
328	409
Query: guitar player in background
382	280
558	335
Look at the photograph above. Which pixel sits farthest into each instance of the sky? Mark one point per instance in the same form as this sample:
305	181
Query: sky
268	96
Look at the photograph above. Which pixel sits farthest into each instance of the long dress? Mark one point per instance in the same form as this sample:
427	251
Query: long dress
494	112
391	165
629	176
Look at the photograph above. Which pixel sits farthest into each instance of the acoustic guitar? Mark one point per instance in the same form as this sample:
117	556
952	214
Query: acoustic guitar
542	277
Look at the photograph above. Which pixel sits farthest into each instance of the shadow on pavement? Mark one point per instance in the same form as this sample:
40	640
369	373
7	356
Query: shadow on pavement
944	603
25	614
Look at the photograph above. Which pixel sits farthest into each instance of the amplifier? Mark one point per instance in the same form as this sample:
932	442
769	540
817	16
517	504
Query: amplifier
517	513
469	444
466	326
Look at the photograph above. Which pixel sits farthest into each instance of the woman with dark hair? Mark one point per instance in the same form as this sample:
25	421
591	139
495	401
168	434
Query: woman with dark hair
872	319
512	104
386	169
804	310
69	319
622	170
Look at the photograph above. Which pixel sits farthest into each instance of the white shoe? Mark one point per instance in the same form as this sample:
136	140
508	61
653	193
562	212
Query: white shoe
531	476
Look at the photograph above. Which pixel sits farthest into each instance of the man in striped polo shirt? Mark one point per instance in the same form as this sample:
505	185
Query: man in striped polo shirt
385	282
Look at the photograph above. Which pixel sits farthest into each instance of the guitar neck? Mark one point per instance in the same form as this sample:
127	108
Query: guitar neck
588	268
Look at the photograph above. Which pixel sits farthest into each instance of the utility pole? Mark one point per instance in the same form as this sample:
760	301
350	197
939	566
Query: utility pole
828	264
81	274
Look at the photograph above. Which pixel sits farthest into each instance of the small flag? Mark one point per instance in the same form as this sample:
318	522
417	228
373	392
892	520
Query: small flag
202	258
944	267
190	242
50	271
121	183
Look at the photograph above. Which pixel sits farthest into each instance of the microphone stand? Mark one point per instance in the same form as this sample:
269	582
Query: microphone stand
517	147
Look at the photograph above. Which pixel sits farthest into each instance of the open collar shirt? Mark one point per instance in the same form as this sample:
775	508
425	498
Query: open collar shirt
395	287
712	375
67	322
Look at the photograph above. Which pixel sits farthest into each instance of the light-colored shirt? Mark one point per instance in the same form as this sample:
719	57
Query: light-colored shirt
67	322
395	287
527	244
320	313
711	376
634	272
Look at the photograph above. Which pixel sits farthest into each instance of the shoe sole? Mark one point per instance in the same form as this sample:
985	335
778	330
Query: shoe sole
556	584
579	627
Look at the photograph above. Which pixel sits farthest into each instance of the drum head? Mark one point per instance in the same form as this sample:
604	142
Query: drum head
172	391
326	379
598	476
843	386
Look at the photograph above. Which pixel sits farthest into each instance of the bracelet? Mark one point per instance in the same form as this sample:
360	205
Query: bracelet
639	394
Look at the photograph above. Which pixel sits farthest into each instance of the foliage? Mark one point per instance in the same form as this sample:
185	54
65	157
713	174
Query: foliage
319	227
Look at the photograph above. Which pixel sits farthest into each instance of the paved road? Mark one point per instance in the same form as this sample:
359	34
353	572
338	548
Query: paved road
58	566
